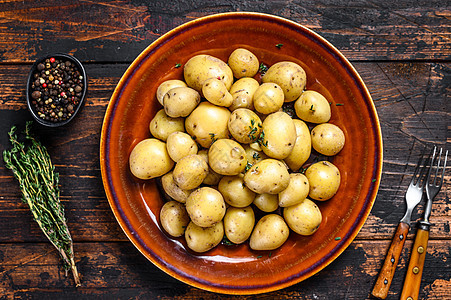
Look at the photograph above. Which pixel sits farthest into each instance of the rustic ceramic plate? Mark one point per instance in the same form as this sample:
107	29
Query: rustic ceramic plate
237	269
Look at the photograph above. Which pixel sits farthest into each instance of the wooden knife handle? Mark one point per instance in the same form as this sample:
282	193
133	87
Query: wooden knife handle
385	277
412	282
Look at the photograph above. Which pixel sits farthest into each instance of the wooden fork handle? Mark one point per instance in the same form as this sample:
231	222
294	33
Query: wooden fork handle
385	277
412	282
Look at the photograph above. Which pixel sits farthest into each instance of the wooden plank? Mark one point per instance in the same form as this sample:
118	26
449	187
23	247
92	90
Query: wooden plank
119	30
118	270
403	94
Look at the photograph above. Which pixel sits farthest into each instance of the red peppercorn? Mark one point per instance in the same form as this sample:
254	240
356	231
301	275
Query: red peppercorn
63	94
44	85
52	60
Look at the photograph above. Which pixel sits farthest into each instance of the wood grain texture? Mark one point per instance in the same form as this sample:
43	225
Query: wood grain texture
114	270
401	49
119	30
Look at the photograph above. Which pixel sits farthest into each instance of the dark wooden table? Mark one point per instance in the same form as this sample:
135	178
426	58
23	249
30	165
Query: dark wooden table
402	50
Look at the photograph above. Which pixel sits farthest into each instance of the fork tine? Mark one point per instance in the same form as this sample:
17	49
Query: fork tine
438	166
444	167
420	163
424	165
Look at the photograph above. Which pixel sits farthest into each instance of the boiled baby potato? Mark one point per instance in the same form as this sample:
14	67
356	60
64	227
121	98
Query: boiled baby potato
303	218
208	123
202	239
269	176
180	101
174	218
212	178
289	76
253	156
172	189
202	67
279	135
243	63
312	107
324	180
162	125
302	147
238	224
215	91
267	202
205	206
242	92
268	98
234	191
227	157
296	191
327	139
190	171
150	159
179	145
244	125
165	86
270	233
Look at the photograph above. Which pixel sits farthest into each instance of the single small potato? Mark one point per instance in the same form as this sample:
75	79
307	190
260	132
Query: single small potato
289	76
296	192
243	63
270	233
303	218
162	125
150	159
165	86
268	98
279	135
242	92
253	156
201	67
202	239
324	180
180	101
179	145
208	123
267	202
244	125
215	91
212	178
172	189
328	139
190	171
234	191
302	147
205	206
227	157
312	107
174	218
269	176
238	224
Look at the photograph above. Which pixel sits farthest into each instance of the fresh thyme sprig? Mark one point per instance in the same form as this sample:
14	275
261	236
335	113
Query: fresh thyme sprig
33	168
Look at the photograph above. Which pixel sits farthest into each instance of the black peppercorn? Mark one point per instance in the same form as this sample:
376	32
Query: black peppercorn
56	83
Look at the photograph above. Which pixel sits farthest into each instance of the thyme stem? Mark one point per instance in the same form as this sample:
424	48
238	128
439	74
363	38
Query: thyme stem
38	181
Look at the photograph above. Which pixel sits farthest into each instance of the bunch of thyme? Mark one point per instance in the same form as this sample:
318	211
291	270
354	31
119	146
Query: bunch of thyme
32	167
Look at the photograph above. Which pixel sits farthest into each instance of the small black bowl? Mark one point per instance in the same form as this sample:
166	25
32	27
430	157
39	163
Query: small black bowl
34	69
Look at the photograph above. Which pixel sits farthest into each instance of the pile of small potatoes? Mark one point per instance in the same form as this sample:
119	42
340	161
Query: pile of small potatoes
223	146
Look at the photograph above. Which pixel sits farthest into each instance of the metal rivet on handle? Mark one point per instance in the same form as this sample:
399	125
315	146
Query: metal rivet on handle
415	270
409	298
401	237
420	249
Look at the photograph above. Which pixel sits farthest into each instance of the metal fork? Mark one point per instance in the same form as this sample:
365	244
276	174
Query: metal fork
414	195
412	281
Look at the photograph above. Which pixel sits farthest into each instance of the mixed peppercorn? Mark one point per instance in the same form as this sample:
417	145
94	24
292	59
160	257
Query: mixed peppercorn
56	89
